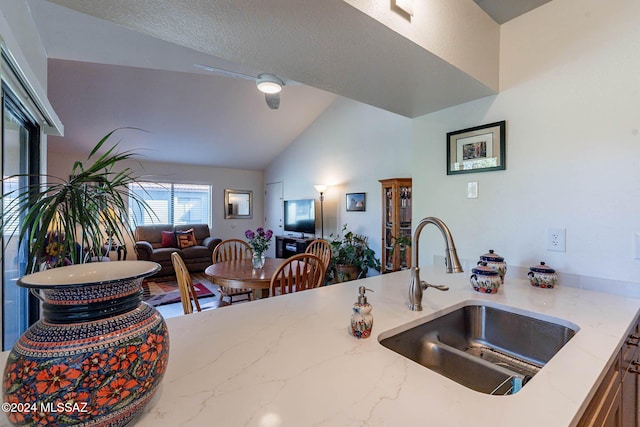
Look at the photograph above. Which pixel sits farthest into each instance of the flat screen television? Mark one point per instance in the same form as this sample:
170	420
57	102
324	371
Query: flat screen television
300	216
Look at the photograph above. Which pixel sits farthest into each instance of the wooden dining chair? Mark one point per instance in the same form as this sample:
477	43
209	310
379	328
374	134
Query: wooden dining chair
321	249
298	273
188	294
229	250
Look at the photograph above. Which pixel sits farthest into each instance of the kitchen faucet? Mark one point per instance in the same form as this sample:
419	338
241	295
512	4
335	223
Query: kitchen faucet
452	263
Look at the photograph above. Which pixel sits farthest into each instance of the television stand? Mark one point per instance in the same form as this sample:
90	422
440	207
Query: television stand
287	246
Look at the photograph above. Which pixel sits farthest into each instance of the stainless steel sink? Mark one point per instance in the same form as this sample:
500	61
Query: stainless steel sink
490	349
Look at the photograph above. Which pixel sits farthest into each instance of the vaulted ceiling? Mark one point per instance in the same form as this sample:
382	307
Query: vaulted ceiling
119	63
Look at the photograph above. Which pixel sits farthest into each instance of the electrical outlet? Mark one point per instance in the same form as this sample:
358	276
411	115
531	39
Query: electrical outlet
557	239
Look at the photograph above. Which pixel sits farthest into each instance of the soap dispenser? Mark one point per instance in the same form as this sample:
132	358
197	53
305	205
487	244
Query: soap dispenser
361	319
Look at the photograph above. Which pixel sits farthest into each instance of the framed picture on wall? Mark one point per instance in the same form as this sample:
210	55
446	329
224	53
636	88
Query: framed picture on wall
476	149
356	202
238	204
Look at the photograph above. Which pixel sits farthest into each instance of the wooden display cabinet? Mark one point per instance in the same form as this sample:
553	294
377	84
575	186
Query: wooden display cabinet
396	224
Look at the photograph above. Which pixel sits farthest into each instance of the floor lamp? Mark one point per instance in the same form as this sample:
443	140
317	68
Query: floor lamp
321	189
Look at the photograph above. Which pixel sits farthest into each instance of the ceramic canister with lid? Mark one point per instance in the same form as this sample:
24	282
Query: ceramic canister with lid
496	262
542	276
485	279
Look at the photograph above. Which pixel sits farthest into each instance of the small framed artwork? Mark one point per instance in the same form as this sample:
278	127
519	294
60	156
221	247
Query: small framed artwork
477	149
356	202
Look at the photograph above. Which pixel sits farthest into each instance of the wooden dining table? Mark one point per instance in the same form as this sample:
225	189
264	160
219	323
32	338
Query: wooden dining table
241	274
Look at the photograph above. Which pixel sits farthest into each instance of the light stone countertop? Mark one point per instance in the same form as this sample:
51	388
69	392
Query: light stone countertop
290	361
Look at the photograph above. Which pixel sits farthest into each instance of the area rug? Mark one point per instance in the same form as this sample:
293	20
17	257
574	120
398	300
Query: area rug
164	290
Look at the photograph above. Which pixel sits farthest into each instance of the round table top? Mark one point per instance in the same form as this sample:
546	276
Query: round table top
241	274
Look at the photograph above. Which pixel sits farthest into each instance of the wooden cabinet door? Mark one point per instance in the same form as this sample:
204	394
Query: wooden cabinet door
630	380
605	406
613	417
616	402
630	399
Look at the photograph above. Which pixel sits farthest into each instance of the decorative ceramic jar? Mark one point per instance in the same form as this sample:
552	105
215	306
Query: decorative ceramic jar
542	276
496	262
258	260
98	354
485	279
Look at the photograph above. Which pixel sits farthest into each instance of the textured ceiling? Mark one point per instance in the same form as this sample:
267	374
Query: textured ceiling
329	45
190	118
103	76
200	118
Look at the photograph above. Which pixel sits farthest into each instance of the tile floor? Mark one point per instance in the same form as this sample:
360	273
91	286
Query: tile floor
174	310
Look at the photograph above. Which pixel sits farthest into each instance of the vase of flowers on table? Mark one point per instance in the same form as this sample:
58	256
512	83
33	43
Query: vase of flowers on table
259	242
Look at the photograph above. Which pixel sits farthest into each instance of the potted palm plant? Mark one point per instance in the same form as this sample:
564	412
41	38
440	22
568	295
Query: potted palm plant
69	220
66	221
351	256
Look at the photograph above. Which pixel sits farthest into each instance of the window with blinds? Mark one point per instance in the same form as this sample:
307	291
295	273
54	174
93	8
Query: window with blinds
175	204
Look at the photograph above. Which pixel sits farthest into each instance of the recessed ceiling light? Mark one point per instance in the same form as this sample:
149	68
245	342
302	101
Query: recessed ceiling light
268	83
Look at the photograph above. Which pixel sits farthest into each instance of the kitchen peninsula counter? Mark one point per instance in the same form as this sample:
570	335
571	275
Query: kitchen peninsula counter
290	361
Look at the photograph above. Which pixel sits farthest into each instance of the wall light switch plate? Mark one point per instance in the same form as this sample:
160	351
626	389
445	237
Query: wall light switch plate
406	5
557	239
472	190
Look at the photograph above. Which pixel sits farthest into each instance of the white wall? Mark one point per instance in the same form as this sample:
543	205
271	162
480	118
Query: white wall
435	25
60	165
570	80
21	34
349	147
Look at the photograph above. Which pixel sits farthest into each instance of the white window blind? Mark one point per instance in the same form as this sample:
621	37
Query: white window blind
10	189
175	204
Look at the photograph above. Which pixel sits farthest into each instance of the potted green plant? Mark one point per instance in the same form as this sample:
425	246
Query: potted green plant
67	221
402	243
351	256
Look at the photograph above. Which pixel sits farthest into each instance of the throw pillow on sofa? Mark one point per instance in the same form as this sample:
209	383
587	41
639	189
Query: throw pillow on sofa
168	239
186	239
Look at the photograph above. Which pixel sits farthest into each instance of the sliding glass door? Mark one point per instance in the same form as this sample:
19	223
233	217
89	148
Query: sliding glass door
20	154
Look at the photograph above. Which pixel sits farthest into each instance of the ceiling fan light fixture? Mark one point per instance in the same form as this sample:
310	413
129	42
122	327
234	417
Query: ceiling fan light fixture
268	83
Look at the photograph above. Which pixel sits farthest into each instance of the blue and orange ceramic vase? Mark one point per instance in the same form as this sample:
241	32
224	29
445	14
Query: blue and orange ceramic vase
97	355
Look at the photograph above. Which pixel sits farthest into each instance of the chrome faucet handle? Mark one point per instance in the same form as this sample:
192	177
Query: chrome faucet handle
452	263
426	285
